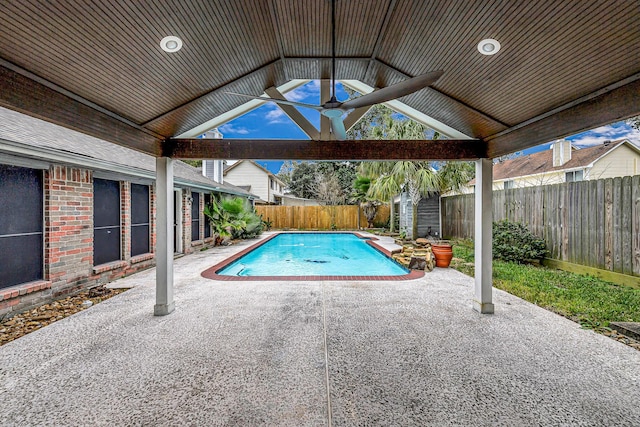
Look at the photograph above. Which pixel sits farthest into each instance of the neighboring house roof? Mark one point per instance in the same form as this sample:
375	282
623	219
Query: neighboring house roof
542	162
26	136
231	167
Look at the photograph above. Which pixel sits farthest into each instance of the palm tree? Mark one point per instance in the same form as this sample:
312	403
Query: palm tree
417	178
368	204
391	178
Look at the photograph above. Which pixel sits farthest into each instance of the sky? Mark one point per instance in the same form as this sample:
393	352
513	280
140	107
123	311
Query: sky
270	122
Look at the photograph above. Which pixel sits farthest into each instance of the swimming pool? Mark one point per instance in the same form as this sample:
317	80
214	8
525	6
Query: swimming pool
312	256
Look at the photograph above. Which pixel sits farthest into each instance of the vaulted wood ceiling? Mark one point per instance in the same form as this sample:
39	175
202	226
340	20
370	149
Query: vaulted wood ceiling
96	66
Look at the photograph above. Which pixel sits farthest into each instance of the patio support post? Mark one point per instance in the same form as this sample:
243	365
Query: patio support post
164	237
483	237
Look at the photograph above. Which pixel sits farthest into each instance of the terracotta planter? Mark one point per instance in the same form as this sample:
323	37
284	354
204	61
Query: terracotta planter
443	255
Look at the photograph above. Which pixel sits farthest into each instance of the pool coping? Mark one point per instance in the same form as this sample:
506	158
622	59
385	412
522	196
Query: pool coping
211	272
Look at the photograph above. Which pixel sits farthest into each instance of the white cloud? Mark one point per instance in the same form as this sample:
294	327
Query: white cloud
614	131
275	116
232	129
304	92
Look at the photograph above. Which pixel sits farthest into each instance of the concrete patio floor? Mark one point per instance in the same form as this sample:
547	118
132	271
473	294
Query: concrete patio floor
409	353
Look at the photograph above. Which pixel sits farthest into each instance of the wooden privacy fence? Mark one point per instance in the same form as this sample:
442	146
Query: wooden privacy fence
592	223
344	217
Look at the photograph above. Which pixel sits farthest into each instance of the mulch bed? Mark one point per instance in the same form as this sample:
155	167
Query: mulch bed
619	337
36	318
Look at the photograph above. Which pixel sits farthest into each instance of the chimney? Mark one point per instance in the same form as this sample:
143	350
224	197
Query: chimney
213	169
561	152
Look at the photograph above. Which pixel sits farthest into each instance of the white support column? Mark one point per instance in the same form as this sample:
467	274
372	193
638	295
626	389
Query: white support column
483	237
164	237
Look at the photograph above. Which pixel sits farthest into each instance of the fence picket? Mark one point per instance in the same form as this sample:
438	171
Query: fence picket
594	223
626	254
319	217
635	223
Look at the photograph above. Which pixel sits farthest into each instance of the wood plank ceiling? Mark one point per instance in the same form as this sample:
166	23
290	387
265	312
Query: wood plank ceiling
97	66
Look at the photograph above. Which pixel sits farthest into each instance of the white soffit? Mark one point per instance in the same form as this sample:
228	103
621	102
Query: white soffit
239	111
410	112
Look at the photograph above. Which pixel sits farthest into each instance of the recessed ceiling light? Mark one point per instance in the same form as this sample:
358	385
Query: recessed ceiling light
171	44
489	47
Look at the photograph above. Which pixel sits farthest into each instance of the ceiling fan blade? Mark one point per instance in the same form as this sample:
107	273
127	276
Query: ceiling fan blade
337	127
395	91
279	101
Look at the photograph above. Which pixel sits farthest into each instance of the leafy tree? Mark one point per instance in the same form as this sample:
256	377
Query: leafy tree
194	163
328	191
311	180
303	180
285	172
634	122
344	172
454	175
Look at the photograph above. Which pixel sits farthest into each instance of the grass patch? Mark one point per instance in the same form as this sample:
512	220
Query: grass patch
590	301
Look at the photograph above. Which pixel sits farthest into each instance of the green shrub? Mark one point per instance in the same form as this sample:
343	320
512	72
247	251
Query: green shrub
512	241
233	217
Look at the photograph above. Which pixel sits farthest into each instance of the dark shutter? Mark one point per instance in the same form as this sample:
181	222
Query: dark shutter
175	221
106	221
139	219
21	229
195	217
207	221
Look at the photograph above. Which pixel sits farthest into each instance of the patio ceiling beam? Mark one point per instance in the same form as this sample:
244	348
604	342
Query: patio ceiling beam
261	149
610	104
293	113
353	117
43	100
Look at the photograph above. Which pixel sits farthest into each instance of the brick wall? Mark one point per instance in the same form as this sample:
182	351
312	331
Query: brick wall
68	240
186	222
125	220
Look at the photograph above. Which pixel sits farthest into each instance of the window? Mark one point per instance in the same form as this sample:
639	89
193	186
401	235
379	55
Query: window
574	176
207	221
195	217
139	219
106	221
21	225
508	185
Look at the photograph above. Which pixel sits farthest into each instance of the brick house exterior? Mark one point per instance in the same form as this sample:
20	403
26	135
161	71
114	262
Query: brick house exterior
68	165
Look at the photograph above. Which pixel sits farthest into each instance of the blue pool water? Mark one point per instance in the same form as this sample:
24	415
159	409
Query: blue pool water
314	254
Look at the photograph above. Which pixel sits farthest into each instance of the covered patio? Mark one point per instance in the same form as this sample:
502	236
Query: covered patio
407	353
99	68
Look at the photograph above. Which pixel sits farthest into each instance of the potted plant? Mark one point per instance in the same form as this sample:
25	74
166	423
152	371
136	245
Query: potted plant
443	252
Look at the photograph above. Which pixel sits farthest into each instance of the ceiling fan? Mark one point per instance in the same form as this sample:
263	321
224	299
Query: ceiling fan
334	109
